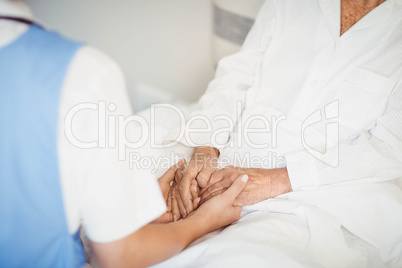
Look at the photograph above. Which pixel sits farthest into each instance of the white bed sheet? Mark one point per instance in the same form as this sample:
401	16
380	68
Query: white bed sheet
343	226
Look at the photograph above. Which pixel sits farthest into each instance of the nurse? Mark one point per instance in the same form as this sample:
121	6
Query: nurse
49	187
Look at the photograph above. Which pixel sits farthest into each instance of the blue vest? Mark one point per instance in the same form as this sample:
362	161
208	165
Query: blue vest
33	226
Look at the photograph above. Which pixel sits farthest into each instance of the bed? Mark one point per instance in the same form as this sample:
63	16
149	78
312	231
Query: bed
355	224
345	226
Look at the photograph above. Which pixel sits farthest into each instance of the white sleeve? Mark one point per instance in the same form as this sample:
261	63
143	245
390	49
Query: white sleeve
234	76
111	199
375	155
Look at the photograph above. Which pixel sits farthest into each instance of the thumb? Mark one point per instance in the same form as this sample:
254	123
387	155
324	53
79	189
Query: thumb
236	188
169	174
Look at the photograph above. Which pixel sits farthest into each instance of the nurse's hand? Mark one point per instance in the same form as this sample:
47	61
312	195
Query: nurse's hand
220	211
154	243
164	184
263	184
196	173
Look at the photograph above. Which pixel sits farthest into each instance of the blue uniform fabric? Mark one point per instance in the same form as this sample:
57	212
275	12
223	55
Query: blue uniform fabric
33	226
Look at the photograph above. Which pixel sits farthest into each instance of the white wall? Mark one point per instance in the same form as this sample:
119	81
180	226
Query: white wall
162	43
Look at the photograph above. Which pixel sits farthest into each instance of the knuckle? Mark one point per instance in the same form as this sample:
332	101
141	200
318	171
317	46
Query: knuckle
183	187
202	177
191	172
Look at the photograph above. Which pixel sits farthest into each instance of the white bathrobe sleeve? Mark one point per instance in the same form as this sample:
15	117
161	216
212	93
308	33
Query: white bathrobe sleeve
234	76
376	154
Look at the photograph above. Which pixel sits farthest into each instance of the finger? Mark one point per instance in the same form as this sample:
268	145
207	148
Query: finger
180	205
236	188
178	176
217	176
196	202
204	177
239	202
194	190
210	165
185	194
214	188
182	209
170	173
175	209
169	201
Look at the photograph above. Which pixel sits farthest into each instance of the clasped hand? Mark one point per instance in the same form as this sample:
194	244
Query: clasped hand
217	212
200	179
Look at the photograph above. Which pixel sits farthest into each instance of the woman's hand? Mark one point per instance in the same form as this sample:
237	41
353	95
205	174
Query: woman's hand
154	243
219	211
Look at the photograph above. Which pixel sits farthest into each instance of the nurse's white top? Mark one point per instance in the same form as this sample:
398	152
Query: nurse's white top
328	107
104	194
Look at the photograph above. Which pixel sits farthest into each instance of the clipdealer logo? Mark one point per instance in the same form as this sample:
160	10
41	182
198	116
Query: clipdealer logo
330	116
112	129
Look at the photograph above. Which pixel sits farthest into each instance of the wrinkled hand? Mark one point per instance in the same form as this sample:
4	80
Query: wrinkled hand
164	184
178	209
263	184
195	174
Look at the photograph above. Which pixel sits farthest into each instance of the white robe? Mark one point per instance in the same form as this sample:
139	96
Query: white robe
340	139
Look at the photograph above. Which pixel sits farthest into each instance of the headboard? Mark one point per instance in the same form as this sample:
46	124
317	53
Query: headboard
233	19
